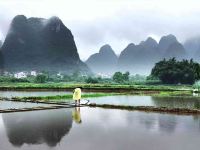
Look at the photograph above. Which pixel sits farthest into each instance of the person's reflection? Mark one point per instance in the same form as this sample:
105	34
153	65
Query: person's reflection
76	115
38	127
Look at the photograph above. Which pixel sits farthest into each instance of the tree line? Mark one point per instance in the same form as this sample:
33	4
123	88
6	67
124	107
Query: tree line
169	71
173	71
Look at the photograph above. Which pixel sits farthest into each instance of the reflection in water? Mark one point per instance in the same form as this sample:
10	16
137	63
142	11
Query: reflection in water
196	118
76	114
38	127
164	123
167	123
148	120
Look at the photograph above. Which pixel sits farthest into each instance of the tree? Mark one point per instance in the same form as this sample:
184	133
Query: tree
126	76
91	80
120	77
40	78
173	72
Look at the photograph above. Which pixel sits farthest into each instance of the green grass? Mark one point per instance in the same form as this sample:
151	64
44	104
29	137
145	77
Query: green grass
62	97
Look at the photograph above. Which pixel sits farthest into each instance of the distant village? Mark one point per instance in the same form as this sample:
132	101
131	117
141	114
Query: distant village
25	74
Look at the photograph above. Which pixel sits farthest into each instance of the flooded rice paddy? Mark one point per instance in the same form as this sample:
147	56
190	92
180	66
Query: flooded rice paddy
131	100
96	128
10	94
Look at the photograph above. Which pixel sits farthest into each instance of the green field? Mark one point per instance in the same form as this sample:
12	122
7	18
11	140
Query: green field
90	95
103	87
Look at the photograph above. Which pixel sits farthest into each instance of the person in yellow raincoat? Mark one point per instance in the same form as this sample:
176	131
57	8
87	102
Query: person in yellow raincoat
77	95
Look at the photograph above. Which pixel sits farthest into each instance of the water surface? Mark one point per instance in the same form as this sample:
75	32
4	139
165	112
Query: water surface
18	105
98	129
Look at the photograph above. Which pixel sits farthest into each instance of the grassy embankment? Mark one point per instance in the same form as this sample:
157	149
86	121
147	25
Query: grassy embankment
62	97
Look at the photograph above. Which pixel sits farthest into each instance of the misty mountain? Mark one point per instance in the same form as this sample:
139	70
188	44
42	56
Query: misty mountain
1	63
192	47
141	58
137	59
170	47
165	42
177	50
1	43
1	59
192	44
103	62
40	44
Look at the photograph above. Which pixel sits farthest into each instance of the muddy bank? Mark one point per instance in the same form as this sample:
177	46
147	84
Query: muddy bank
148	109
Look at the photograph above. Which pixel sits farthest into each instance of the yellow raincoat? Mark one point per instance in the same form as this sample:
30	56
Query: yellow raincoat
77	94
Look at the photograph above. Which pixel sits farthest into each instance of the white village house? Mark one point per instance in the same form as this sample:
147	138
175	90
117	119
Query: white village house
20	75
24	74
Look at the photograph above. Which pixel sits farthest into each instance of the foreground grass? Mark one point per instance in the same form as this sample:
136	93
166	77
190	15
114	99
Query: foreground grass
114	87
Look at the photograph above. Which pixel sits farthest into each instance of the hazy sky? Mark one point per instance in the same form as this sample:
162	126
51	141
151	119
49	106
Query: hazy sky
115	22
